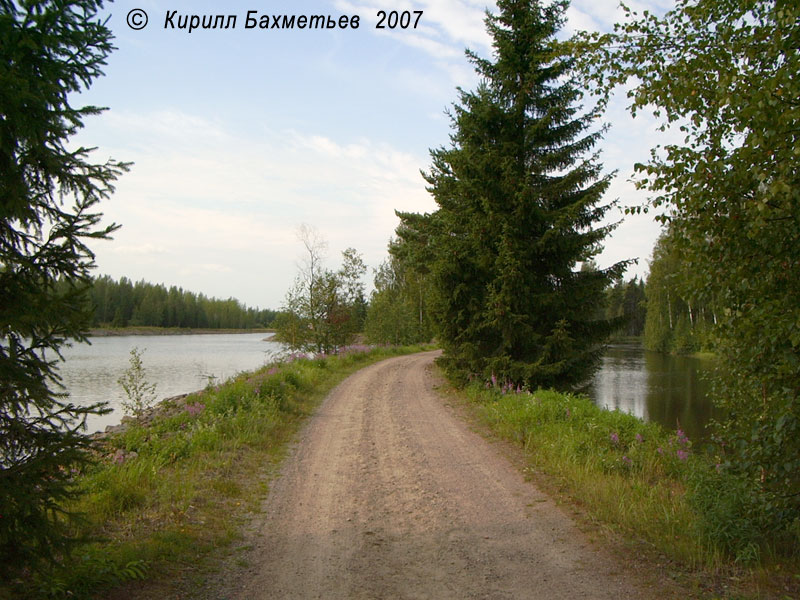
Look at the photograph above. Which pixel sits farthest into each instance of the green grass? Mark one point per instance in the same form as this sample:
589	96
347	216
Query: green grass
171	495
168	499
642	481
626	472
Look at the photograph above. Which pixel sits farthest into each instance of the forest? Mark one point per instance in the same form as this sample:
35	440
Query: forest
122	303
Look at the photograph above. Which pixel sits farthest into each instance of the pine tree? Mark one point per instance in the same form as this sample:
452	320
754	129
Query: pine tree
48	50
518	196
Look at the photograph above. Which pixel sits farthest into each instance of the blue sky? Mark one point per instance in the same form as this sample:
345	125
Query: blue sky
240	136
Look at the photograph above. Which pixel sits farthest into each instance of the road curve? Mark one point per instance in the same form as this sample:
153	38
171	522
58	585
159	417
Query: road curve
389	495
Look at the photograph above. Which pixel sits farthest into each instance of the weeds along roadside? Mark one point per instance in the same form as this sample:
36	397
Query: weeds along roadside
163	497
648	483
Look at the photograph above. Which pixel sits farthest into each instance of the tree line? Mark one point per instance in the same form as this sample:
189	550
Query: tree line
496	273
399	310
677	322
122	303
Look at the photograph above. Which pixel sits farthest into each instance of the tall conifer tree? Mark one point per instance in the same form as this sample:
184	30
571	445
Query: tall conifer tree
49	51
519	200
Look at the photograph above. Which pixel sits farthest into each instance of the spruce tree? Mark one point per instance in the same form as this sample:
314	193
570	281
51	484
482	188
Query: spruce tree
48	192
519	197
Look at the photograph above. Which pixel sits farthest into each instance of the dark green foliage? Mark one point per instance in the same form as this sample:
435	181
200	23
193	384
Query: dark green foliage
733	515
48	50
725	73
518	194
399	308
123	303
674	324
626	300
84	577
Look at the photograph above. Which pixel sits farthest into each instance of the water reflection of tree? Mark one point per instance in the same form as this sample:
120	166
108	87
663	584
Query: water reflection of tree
678	392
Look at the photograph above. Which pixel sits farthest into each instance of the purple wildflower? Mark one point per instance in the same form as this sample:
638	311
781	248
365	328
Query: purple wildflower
639	438
195	409
682	454
627	461
681	437
614	438
353	349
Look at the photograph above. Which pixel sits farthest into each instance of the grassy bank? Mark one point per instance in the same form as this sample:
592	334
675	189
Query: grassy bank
165	499
648	484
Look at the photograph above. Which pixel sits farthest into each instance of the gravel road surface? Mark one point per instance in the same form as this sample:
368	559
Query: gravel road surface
388	494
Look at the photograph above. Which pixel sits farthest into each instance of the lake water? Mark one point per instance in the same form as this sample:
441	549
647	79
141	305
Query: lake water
177	364
670	390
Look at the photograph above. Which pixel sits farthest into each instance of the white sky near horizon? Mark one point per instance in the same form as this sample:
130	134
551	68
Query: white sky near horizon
240	136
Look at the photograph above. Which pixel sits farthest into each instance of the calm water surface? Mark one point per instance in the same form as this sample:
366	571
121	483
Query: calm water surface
177	364
670	390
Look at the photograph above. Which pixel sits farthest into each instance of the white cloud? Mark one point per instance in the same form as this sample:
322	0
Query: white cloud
214	209
444	30
591	15
202	202
138	249
579	20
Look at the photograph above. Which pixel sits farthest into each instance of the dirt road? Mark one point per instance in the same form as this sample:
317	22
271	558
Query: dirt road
388	495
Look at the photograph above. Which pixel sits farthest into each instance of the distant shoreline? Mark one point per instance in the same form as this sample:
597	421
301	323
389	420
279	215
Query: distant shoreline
124	331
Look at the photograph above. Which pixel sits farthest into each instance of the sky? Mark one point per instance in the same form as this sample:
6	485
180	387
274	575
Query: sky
240	136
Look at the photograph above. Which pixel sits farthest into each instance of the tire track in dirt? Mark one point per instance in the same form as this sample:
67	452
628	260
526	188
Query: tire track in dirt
388	495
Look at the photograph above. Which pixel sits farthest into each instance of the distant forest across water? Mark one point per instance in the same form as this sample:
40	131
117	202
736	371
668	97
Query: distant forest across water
124	303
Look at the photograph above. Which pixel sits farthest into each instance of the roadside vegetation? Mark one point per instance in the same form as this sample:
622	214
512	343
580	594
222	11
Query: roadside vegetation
649	484
501	273
168	493
723	75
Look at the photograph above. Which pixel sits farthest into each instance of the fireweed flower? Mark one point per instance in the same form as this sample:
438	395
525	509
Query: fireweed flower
681	437
195	409
614	438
